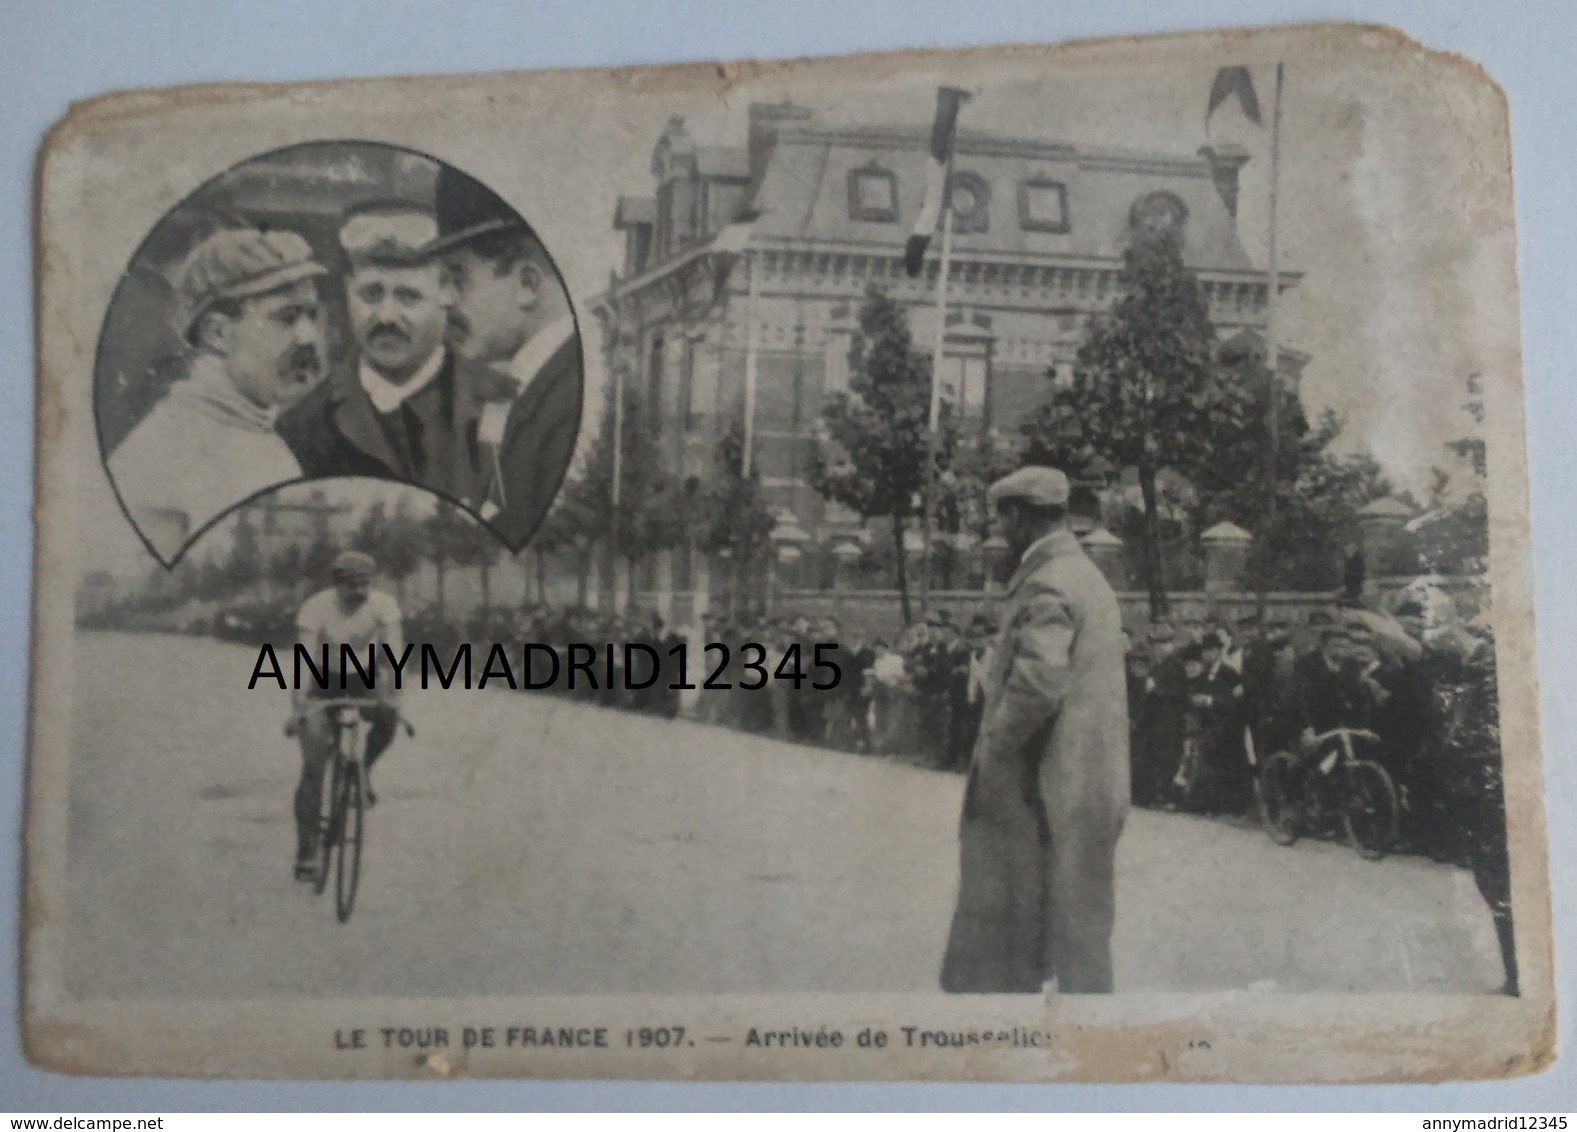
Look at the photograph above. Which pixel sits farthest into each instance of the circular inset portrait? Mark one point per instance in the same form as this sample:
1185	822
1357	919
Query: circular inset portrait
337	309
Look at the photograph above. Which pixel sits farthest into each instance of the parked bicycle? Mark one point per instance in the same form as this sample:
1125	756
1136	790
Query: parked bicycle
1329	783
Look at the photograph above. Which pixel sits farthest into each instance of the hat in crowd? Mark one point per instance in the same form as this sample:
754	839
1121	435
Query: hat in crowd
239	263
1410	609
1320	617
1193	651
1161	631
1333	631
1039	486
352	565
466	209
1215	639
388	235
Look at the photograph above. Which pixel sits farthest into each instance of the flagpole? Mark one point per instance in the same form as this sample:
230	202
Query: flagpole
933	430
613	490
752	316
1272	364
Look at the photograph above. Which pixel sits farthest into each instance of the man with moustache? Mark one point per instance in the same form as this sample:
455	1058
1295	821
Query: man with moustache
1049	781
407	408
511	315
247	302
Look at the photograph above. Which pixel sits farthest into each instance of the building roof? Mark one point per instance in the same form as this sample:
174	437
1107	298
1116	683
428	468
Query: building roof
732	161
804	193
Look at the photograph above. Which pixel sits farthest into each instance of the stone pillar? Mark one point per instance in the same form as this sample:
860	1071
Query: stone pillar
1225	546
1106	551
1382	533
846	563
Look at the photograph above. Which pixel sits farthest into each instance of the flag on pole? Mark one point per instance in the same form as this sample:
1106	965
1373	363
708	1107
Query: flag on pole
937	190
1234	81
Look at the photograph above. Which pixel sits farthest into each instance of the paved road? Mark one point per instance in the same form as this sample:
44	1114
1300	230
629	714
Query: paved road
524	845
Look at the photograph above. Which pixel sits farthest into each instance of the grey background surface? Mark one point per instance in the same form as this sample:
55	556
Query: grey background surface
72	49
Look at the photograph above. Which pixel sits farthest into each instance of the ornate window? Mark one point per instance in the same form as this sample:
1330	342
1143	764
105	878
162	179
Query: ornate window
1043	205
971	200
873	194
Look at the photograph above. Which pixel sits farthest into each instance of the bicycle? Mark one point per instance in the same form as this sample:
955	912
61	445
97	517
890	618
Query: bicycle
343	803
1366	802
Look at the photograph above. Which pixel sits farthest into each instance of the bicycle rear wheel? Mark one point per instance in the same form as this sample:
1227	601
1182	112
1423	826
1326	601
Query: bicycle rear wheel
1369	810
330	822
1278	807
347	872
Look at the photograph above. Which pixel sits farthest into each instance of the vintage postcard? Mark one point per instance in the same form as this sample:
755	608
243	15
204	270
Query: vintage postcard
1008	564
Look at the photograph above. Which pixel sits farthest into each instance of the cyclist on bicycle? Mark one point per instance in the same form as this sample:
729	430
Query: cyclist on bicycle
352	613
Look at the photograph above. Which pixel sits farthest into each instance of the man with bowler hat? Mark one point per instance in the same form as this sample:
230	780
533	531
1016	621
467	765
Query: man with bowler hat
511	315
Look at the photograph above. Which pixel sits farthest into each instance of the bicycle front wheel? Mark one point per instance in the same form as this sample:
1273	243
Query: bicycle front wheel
347	872
1278	807
330	821
1369	810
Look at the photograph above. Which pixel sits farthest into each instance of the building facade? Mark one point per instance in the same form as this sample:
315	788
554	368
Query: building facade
757	257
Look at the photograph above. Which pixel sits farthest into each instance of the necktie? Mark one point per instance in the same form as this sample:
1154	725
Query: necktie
414	440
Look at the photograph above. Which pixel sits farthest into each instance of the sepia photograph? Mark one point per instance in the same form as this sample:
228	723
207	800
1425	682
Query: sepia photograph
1040	587
337	309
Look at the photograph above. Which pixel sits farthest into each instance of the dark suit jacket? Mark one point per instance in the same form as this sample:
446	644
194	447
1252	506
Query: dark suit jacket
539	440
335	431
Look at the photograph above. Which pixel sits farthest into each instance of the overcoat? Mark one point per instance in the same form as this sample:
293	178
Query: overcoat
539	440
1048	787
336	431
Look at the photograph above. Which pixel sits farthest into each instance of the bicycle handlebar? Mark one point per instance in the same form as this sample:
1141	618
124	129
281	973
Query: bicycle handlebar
1350	732
360	702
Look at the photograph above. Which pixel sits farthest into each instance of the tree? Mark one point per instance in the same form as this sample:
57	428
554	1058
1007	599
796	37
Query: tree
654	510
879	428
243	566
474	544
733	514
1453	533
1146	392
445	535
1318	493
567	527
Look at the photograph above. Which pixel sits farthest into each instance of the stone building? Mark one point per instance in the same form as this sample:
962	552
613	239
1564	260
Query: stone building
1039	226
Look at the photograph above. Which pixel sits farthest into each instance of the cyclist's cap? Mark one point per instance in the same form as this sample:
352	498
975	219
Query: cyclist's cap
239	263
1410	609
353	565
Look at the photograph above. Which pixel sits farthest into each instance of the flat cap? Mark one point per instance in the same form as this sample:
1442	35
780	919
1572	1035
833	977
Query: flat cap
354	564
239	263
389	235
1043	487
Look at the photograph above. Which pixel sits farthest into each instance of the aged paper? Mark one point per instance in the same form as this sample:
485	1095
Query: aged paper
843	594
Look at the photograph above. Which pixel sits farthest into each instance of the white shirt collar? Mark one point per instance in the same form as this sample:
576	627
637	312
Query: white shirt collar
540	347
385	395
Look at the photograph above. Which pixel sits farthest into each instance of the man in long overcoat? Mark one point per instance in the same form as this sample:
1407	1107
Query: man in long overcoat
1048	783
